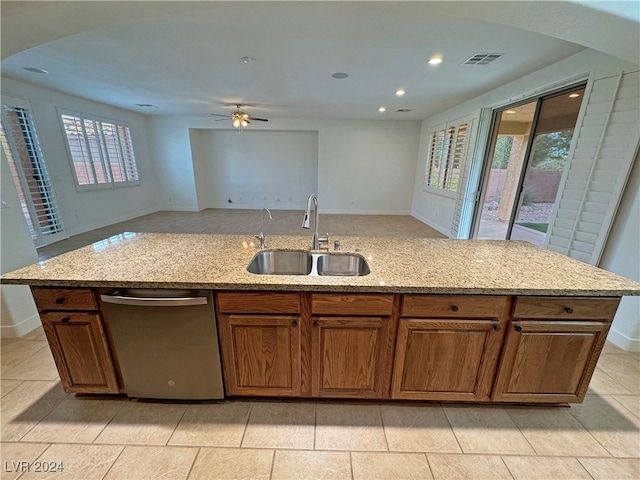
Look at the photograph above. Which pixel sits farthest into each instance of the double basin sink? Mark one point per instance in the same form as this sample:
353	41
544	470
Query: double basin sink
302	262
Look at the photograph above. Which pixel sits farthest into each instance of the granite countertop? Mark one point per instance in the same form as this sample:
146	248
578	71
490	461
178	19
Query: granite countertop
418	265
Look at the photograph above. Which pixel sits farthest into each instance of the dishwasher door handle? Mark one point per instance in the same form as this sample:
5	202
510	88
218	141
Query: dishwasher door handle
154	301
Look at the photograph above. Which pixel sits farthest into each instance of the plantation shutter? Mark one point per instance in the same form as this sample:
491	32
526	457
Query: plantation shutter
600	160
467	158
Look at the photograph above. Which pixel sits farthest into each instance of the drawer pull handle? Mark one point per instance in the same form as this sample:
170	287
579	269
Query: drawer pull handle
497	328
294	323
65	319
454	308
517	328
60	300
568	309
315	324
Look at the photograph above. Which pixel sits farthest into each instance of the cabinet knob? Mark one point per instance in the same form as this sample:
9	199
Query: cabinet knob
294	323
65	319
454	308
517	328
497	328
568	309
315	324
60	300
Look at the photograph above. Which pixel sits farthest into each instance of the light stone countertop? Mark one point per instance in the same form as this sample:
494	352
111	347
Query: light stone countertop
411	265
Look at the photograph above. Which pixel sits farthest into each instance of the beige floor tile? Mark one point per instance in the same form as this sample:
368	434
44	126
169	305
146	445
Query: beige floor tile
14	455
16	351
311	465
349	427
281	425
143	463
615	427
7	385
35	334
215	425
472	467
545	468
623	368
75	420
603	384
139	423
26	405
554	431
630	402
487	430
390	466
418	428
612	468
38	366
612	348
75	462
232	464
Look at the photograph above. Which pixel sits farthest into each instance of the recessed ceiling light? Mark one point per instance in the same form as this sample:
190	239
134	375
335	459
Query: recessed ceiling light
510	112
36	70
340	75
400	92
247	60
435	60
574	95
382	109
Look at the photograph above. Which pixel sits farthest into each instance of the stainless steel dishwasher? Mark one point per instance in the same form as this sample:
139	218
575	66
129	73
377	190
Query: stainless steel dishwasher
166	342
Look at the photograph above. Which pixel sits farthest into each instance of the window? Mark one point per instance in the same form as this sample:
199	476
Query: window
22	149
101	151
446	151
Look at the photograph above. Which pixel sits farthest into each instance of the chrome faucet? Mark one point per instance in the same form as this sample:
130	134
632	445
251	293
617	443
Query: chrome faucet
316	241
260	236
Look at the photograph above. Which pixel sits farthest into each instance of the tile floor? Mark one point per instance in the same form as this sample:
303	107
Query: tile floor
117	438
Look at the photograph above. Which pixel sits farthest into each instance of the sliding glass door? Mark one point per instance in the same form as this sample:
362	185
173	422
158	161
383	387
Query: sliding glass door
528	150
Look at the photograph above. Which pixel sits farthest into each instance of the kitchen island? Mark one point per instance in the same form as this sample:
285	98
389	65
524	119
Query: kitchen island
447	320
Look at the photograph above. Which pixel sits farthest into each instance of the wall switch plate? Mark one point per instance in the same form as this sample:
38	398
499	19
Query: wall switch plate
3	202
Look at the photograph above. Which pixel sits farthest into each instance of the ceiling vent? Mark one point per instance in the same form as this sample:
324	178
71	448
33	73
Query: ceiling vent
482	58
404	110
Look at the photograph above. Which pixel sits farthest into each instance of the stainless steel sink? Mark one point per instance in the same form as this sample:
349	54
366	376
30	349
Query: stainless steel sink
281	262
342	265
302	262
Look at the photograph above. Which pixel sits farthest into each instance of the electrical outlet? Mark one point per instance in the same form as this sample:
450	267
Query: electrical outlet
4	202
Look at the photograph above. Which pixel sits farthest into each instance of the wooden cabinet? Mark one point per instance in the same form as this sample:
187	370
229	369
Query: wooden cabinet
552	347
260	343
78	340
448	347
352	345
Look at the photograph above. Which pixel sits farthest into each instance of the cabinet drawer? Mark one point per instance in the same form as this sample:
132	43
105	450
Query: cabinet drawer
455	306
258	302
566	308
354	304
64	298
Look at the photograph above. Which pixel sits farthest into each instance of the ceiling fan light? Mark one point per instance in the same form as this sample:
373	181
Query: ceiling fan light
236	122
244	123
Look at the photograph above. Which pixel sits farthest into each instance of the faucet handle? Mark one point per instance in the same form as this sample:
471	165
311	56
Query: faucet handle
260	237
323	240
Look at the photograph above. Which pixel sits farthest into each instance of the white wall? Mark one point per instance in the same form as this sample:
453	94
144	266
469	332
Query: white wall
363	166
622	255
79	212
83	211
254	169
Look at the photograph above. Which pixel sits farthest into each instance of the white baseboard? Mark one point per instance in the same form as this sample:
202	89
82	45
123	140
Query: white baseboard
435	226
624	342
21	329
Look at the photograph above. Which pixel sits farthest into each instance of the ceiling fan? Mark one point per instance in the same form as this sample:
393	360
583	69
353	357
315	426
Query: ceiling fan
239	118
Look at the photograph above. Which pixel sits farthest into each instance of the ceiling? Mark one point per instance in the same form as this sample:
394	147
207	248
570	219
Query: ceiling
185	58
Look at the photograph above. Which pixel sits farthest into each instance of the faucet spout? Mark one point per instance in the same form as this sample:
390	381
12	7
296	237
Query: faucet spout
261	235
315	239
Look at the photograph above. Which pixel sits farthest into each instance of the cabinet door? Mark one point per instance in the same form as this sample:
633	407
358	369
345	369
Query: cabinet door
260	354
81	352
351	357
445	359
549	361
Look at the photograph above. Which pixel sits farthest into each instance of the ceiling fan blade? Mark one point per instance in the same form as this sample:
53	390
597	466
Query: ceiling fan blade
220	115
258	119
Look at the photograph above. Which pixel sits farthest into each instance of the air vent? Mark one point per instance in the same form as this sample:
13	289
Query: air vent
482	58
404	110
